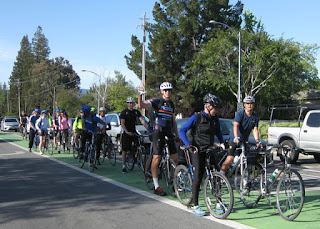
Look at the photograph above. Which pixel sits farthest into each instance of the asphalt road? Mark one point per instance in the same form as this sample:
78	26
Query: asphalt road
36	192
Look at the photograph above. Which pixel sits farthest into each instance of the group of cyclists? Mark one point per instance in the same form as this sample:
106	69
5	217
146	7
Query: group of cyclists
203	127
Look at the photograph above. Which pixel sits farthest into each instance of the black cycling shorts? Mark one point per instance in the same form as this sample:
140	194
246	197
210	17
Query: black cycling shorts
43	133
158	140
127	141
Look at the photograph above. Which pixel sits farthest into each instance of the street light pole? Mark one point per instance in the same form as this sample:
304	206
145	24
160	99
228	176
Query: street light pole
239	105
99	85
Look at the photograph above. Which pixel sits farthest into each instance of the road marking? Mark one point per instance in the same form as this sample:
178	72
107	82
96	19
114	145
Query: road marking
9	154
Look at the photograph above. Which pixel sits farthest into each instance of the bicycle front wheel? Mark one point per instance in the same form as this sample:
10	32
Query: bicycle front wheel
182	182
81	159
112	153
130	160
168	169
218	195
141	157
92	159
251	185
290	194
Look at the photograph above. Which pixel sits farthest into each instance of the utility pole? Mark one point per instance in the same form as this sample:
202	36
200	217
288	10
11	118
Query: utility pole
143	77
54	100
19	96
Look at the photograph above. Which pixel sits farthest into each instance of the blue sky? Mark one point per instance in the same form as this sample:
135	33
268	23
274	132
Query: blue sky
95	35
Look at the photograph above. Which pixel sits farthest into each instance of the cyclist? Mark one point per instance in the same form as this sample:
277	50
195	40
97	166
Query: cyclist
42	125
89	127
64	126
101	134
245	121
128	119
23	120
55	122
203	127
32	120
77	128
164	125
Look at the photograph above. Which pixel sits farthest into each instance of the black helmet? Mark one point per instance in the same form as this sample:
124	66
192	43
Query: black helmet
213	100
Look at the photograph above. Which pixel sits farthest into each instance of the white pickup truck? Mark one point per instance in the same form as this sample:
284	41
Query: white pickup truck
306	137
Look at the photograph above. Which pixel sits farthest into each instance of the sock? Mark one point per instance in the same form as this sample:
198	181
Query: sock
155	183
123	166
222	172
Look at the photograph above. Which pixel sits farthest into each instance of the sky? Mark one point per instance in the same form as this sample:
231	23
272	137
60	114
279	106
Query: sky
95	35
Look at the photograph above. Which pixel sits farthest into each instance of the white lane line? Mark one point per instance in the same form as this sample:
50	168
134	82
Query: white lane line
9	154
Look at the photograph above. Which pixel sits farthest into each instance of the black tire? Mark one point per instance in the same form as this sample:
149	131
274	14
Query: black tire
81	160
118	143
250	185
112	154
141	157
317	157
92	159
293	155
148	174
290	194
182	182
218	195
167	170
237	175
130	160
51	147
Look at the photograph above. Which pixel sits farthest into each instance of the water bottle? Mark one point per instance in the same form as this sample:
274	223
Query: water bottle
273	175
235	160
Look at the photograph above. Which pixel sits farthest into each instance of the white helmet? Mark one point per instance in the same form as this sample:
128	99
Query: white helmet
249	99
130	100
102	109
166	85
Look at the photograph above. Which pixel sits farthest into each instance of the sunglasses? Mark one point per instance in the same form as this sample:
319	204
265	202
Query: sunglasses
129	102
248	103
167	90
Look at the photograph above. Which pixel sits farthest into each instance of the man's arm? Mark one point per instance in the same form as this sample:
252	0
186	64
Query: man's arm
256	134
235	132
143	122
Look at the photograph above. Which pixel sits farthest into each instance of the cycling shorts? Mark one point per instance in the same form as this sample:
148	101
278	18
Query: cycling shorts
127	140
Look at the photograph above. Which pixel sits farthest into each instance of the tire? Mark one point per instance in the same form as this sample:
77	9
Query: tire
92	159
81	159
182	182
317	157
141	157
118	142
250	185
112	154
292	154
130	160
51	147
148	174
167	170
218	195
290	194
237	175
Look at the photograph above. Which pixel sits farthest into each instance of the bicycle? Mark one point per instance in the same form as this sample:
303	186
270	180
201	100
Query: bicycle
217	190
166	169
108	150
65	135
136	154
290	192
23	131
36	141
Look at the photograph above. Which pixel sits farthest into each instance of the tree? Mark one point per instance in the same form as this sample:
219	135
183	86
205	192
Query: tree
265	62
20	75
3	99
40	46
119	90
179	31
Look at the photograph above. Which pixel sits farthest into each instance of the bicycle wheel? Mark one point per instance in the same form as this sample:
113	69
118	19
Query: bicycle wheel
141	157
182	182
251	185
92	159
168	174
148	174
290	194
112	154
218	195
130	157
81	159
51	147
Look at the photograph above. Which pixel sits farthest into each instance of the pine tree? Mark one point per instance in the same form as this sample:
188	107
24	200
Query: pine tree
40	46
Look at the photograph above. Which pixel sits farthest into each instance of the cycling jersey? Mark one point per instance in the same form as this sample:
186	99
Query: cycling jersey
91	123
164	113
130	117
23	119
77	124
64	123
42	124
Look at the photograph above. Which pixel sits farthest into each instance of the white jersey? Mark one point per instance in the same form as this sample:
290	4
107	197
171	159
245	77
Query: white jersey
42	124
103	119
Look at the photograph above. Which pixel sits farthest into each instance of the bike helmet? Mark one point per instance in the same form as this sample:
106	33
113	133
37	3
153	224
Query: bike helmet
86	109
166	85
102	109
37	110
130	100
213	100
249	99
57	110
93	110
44	111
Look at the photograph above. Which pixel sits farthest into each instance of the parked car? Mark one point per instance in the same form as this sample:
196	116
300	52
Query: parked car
10	123
116	129
306	137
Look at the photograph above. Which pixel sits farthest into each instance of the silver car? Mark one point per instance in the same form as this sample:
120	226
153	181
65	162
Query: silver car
10	123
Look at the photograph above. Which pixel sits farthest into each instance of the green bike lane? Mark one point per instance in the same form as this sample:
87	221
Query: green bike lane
262	216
